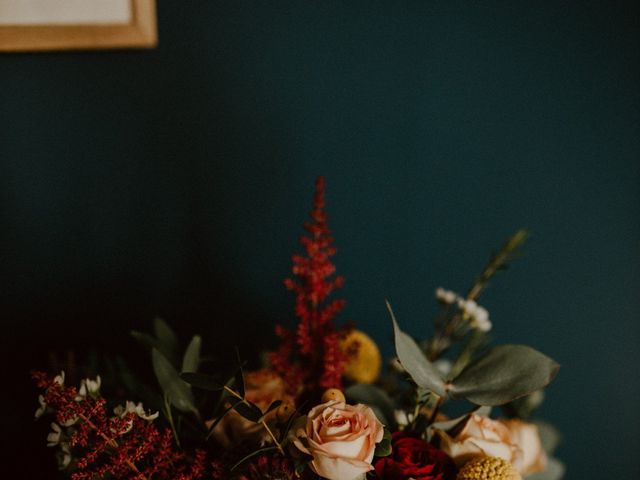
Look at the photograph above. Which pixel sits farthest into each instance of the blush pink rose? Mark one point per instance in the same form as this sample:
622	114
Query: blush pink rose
341	439
512	440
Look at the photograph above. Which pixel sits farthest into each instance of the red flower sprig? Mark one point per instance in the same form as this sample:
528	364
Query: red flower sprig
311	356
123	447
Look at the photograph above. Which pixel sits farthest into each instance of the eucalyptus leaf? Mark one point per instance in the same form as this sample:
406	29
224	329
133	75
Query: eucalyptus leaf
275	404
374	397
248	410
191	359
203	381
414	361
239	375
150	342
219	419
505	373
384	448
165	335
173	386
225	412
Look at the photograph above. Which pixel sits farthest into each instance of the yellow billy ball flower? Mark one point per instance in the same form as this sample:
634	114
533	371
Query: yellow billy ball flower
364	361
333	395
488	468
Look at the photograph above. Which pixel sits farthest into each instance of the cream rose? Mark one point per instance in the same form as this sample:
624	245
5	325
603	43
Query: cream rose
512	440
262	387
527	438
341	439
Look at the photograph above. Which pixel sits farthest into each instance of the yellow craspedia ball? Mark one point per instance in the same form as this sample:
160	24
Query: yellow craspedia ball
364	361
333	395
488	468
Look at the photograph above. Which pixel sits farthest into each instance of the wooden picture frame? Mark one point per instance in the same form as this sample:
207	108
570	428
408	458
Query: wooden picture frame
141	32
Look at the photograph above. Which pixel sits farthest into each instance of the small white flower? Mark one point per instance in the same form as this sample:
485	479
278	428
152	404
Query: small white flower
70	422
53	438
481	319
90	387
63	456
138	409
446	296
477	315
402	418
443	366
43	407
59	379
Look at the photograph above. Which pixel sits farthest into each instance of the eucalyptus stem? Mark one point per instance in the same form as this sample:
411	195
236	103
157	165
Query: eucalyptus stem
169	415
497	262
262	421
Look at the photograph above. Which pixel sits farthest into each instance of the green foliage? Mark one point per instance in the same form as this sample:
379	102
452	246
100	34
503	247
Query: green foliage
423	373
176	389
505	373
202	381
376	398
191	358
384	449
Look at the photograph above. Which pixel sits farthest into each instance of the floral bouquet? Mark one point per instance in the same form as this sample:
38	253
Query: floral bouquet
321	405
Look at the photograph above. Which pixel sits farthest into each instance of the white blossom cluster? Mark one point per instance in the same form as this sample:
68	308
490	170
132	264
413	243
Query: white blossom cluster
477	315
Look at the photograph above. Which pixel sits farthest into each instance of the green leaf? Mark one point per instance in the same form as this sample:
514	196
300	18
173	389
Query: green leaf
191	359
253	454
248	410
275	404
172	385
505	373
203	381
165	335
384	449
374	397
219	419
414	362
150	342
239	375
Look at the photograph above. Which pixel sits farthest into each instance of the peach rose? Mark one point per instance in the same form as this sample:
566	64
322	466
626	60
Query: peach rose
527	438
512	440
341	439
262	387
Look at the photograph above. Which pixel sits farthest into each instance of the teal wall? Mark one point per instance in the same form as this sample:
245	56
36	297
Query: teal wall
175	182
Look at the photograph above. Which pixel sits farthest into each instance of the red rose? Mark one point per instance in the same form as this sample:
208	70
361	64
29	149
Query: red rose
414	458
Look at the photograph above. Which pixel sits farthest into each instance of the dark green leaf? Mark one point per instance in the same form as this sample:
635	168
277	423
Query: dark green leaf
253	454
414	361
383	449
191	359
219	419
239	376
505	373
273	406
151	342
248	410
374	397
165	335
203	381
172	385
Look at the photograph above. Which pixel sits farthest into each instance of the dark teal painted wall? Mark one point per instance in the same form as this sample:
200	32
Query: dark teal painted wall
175	181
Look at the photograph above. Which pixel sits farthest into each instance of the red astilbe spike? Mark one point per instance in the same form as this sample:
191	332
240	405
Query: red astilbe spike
310	357
124	446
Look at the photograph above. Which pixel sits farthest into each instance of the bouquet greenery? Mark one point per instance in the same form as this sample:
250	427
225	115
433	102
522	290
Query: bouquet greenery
319	406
